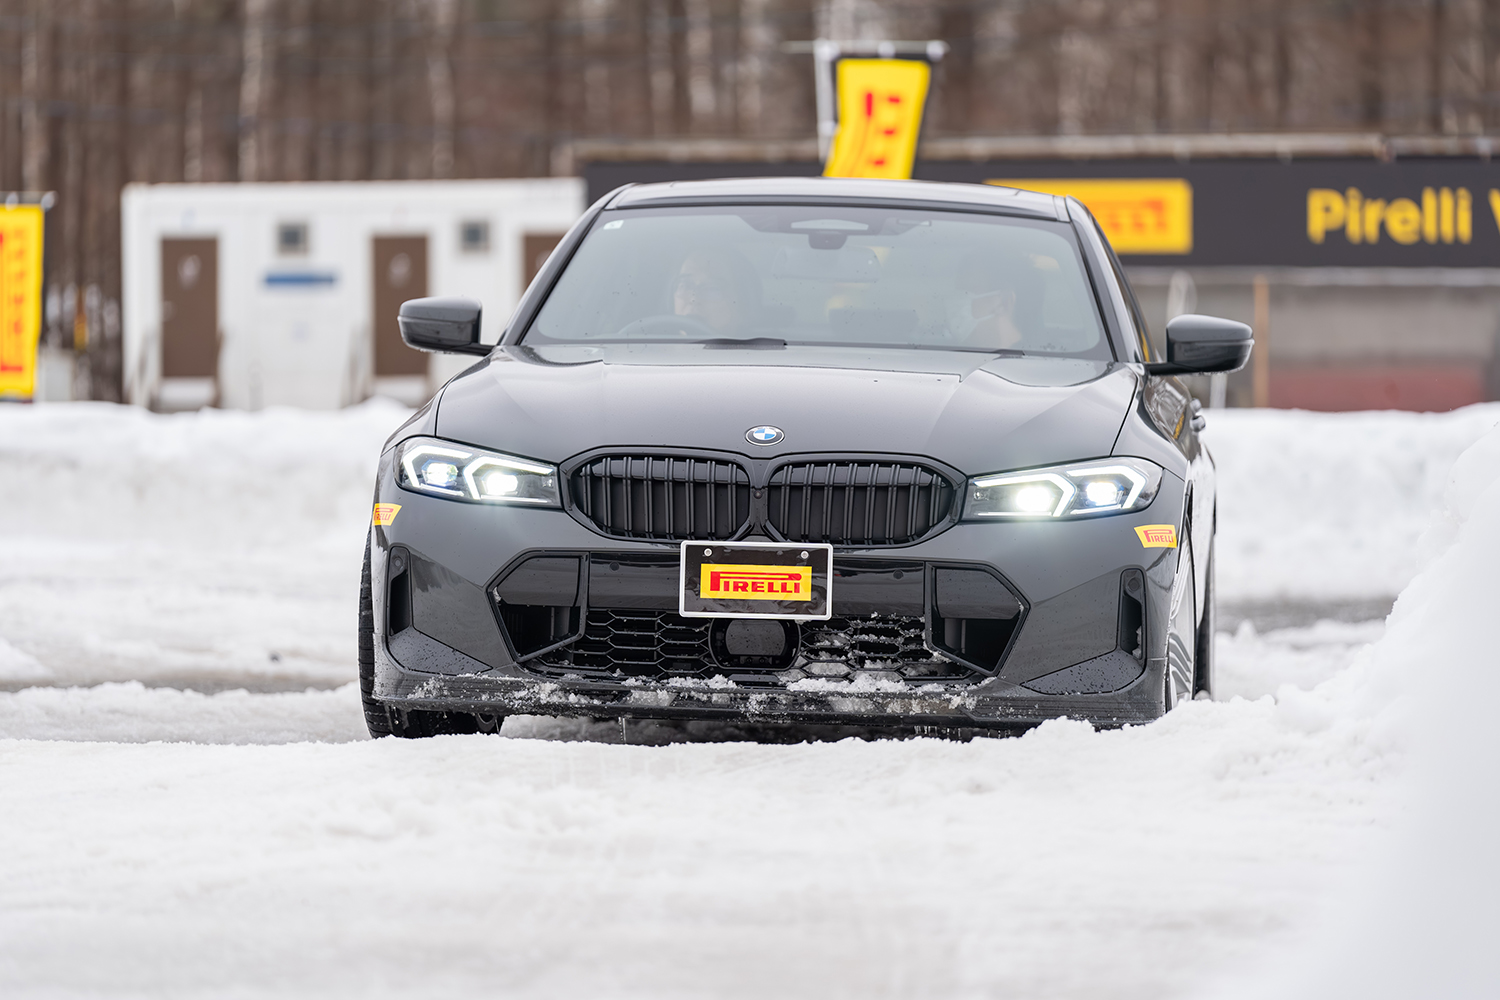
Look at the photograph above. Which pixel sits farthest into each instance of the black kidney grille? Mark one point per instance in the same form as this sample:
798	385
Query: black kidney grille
857	503
662	498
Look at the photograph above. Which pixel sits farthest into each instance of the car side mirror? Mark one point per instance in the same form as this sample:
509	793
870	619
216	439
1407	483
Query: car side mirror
1203	345
449	325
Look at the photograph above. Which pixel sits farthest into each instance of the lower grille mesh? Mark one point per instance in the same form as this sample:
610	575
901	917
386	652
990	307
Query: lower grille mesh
660	645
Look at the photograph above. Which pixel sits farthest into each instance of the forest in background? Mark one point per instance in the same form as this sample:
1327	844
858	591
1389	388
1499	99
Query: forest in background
100	93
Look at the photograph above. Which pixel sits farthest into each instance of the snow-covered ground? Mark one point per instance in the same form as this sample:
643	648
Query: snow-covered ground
1330	507
167	583
214	549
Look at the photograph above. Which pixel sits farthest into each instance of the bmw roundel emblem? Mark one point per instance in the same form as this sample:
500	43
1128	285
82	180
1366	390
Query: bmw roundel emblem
764	434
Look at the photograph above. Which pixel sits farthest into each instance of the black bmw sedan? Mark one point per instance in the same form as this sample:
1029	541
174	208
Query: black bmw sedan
892	454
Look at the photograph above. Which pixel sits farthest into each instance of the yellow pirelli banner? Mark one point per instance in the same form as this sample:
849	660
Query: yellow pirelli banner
20	298
880	105
1149	215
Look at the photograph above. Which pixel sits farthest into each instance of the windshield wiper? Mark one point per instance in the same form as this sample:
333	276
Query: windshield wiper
754	343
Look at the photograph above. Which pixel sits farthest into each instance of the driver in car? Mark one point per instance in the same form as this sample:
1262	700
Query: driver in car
718	288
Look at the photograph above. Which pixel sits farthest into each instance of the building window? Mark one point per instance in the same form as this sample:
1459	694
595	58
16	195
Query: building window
291	239
474	236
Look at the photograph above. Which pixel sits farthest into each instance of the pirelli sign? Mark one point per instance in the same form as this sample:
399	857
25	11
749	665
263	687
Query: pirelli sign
1430	212
1139	215
756	580
757	583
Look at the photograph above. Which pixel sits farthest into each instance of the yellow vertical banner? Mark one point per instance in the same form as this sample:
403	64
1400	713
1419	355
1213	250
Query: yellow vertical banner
880	115
20	298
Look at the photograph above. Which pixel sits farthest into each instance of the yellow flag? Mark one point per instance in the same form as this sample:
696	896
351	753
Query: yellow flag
20	298
1139	214
880	115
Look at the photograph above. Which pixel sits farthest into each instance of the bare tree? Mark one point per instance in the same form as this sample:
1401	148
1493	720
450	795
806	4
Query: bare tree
35	67
1369	34
440	85
253	86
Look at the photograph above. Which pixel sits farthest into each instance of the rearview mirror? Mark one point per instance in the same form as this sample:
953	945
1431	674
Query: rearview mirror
450	325
1203	345
851	265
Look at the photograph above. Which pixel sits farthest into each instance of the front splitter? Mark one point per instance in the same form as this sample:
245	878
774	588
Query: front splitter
848	704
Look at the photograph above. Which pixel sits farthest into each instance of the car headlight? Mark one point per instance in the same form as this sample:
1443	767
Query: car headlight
1104	486
455	471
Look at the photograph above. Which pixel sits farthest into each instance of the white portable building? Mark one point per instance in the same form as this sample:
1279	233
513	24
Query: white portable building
254	295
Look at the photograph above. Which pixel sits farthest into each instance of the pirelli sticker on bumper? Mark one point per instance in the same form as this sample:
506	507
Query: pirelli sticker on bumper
756	583
1157	536
385	513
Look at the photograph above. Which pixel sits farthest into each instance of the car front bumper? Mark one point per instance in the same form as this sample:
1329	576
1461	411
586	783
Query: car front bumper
452	652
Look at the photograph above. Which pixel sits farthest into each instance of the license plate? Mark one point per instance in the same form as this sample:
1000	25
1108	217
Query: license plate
756	580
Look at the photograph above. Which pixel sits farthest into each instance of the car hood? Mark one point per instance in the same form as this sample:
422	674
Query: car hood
974	412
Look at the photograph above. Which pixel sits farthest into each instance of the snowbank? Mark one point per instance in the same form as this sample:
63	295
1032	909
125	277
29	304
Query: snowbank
1251	664
1331	505
206	550
134	713
1430	925
18	666
225	478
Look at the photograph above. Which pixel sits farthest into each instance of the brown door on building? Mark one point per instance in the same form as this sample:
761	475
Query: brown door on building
190	308
534	251
400	274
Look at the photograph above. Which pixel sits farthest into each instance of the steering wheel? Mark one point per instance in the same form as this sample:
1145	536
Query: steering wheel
664	325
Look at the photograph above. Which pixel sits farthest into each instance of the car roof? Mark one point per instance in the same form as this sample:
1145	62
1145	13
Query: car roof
987	198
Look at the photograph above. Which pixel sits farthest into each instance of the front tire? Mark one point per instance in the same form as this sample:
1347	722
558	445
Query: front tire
1203	662
1182	631
380	718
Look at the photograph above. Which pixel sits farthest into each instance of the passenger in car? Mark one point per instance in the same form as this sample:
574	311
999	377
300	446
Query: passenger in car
997	303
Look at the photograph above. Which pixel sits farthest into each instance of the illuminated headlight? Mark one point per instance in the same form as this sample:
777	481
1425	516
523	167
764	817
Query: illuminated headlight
445	469
1106	486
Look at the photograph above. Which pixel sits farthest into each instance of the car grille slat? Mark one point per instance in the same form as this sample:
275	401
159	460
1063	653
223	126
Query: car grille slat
858	503
847	507
662	498
671	495
911	505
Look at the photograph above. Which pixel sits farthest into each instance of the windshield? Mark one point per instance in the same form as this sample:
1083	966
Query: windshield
826	275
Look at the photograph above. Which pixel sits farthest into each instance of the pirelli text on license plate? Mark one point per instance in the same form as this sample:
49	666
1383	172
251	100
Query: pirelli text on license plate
756	580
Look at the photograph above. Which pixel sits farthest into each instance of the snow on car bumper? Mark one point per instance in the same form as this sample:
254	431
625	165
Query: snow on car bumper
808	702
